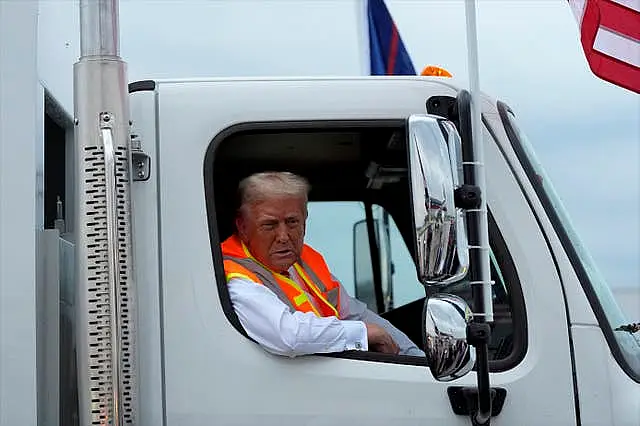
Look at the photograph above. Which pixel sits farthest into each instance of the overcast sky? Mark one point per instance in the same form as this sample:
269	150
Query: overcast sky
586	131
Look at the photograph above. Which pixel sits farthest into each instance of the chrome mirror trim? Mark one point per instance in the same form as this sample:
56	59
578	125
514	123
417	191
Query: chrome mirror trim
436	219
445	321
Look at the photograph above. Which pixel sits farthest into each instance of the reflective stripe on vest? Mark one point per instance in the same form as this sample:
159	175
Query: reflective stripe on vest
301	301
267	278
331	296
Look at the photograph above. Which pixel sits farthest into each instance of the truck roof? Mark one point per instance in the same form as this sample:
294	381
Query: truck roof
449	82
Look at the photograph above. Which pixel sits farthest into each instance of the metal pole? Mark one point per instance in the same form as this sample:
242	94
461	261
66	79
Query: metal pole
478	149
99	28
483	305
362	18
107	370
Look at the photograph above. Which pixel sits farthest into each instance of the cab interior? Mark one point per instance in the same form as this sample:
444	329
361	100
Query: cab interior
343	161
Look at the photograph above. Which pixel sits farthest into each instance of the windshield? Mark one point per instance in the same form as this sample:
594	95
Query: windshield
624	345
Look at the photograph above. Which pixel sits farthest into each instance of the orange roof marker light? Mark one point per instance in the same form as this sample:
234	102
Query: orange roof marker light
434	71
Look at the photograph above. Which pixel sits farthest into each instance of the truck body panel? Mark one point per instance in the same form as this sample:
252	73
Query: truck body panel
21	98
202	347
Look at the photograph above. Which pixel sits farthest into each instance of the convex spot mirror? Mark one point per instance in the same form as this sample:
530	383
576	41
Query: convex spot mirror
435	171
445	320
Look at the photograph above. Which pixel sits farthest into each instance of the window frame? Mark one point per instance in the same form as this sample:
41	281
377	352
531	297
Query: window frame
209	192
517	305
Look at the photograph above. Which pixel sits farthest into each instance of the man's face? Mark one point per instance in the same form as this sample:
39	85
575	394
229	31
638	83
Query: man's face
273	230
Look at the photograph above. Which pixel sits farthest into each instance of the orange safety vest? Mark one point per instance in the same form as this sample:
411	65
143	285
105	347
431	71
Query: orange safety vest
323	297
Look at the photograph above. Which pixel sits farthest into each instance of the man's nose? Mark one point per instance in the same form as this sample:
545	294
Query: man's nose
282	234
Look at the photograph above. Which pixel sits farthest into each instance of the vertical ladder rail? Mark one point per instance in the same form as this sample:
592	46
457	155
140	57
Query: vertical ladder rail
107	372
486	307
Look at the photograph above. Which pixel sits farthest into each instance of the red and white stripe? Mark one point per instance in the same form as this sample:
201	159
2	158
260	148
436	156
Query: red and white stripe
610	37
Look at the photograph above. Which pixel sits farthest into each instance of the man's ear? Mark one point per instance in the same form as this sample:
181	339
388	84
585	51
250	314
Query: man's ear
241	226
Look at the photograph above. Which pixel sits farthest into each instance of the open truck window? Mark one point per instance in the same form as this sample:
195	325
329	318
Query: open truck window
338	229
359	219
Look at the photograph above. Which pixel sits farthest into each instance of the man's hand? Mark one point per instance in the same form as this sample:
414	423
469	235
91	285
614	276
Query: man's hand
380	340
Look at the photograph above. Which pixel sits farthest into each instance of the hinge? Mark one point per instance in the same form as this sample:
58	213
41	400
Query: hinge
140	161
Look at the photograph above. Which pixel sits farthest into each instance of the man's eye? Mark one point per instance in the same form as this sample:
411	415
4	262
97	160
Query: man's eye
268	226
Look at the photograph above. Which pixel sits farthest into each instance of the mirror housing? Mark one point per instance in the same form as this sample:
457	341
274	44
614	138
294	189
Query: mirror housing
445	321
435	170
454	143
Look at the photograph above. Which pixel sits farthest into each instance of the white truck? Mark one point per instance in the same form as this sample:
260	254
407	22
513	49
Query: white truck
126	318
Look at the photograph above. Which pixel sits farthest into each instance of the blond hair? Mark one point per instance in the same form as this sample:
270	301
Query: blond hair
261	186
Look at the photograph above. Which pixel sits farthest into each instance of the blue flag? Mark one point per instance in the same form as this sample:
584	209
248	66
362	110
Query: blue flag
387	53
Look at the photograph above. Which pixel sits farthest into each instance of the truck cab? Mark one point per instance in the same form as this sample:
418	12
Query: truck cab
118	312
555	356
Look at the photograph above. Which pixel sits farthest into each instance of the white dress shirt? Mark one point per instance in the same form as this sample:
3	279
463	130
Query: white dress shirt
283	331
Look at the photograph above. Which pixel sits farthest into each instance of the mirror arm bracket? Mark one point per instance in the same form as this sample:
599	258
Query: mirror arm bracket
467	197
464	401
478	333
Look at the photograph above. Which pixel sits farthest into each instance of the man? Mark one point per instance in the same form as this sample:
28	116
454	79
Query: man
282	290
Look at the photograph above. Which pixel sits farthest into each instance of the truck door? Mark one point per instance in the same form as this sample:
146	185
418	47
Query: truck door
212	373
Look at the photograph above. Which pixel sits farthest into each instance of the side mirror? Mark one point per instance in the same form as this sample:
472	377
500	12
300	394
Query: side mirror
445	320
435	169
365	286
363	266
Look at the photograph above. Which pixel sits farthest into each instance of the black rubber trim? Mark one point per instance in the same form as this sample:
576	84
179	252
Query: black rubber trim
142	86
216	251
379	357
567	245
516	300
374	255
576	397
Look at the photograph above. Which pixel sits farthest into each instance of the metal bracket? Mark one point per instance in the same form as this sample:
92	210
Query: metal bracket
478	333
464	400
140	161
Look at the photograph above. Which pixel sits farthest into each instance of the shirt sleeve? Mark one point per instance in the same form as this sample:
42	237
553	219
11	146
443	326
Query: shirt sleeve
281	331
354	309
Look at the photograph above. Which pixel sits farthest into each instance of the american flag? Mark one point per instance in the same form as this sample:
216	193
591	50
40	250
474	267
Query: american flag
610	38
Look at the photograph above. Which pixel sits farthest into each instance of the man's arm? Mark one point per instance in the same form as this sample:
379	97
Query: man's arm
275	327
354	309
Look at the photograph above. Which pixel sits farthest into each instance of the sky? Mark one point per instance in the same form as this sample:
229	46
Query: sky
585	131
